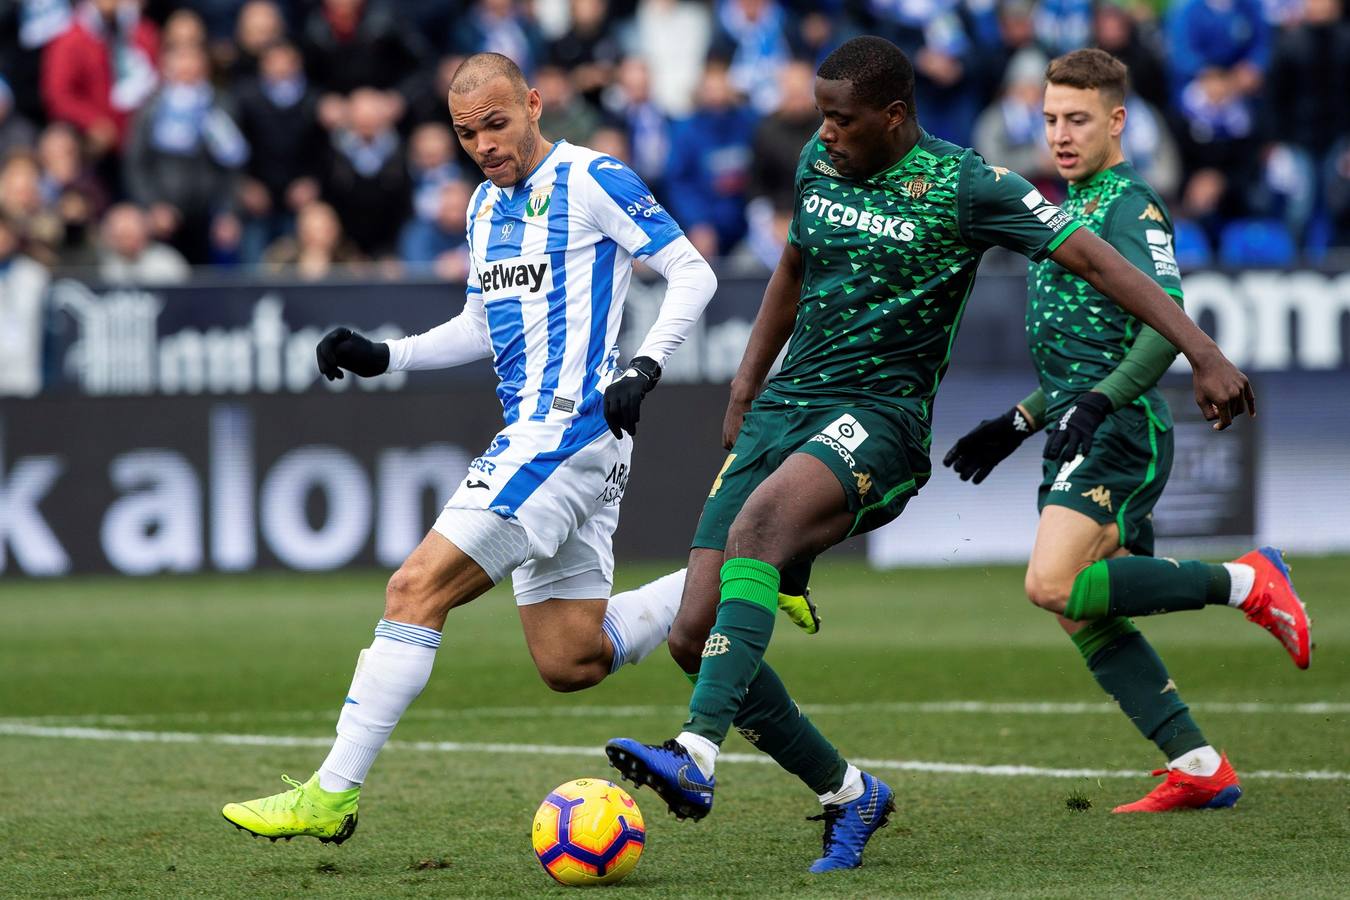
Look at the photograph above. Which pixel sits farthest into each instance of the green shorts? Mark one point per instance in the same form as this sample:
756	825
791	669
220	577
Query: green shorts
1120	479
873	451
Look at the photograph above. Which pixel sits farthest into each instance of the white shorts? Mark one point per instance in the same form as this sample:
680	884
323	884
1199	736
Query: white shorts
564	493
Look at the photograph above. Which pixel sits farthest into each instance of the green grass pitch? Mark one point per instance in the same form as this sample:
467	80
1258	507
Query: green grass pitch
195	666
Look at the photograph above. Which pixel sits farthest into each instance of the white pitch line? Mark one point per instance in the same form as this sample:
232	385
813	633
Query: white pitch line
17	729
977	707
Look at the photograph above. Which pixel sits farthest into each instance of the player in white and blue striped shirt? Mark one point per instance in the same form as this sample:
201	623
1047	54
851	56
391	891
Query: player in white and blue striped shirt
553	233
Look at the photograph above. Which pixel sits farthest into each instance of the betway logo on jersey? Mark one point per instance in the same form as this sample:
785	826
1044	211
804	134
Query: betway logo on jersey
1160	248
863	220
1054	217
514	277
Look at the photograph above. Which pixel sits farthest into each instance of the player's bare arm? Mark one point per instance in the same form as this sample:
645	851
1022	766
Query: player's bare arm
1221	389
773	326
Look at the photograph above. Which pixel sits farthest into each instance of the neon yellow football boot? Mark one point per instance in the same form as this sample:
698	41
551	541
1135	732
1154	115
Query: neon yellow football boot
307	808
801	610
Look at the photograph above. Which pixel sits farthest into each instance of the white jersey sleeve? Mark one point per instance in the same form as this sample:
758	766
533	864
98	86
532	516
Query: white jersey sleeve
463	339
623	208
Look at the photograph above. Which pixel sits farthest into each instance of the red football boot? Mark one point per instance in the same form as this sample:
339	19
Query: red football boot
1183	790
1274	606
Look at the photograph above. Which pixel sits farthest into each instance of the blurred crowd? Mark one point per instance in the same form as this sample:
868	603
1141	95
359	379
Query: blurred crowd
307	137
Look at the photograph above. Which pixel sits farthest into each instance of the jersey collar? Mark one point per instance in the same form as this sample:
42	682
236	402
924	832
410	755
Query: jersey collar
1120	169
904	160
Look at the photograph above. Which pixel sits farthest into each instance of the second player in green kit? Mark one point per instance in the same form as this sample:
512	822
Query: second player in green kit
888	229
1109	450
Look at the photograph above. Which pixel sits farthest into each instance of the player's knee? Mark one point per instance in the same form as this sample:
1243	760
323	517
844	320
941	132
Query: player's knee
566	677
406	595
757	533
1050	594
686	647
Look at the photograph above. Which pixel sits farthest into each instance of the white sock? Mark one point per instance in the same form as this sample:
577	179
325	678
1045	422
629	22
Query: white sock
1200	761
637	621
701	749
1242	578
390	674
849	791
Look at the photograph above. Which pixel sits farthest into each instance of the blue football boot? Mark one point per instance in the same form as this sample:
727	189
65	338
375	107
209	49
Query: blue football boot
669	770
849	825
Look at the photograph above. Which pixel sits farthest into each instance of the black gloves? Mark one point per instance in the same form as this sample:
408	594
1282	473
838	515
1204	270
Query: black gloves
623	397
1073	434
343	348
988	444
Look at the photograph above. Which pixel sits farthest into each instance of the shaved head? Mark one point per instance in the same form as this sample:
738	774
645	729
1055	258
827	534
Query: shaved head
495	115
482	68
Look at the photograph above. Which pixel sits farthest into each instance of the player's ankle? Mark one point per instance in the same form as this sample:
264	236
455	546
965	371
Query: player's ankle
849	790
701	750
331	782
1242	578
1203	761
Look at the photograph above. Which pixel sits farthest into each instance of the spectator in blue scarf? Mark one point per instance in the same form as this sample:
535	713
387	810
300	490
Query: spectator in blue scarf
753	35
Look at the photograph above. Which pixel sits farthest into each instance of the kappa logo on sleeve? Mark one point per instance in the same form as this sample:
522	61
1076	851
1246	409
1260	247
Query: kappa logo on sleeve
1152	214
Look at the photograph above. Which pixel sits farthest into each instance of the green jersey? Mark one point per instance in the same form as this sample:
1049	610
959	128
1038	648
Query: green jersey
1078	336
888	264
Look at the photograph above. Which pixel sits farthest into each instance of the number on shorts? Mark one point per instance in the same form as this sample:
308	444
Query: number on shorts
717	482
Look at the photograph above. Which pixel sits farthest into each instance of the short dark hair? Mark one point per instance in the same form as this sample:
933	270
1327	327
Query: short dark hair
879	71
480	68
1091	69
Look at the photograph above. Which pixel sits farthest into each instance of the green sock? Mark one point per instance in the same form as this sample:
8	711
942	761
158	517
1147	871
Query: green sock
772	722
1143	586
1128	668
735	646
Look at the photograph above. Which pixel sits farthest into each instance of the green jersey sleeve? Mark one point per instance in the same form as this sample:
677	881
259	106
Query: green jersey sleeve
1140	229
803	161
1001	208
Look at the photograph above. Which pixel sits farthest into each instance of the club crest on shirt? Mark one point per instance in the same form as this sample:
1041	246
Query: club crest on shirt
917	186
538	203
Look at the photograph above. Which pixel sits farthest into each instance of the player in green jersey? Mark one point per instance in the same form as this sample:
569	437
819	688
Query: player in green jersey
889	226
1110	449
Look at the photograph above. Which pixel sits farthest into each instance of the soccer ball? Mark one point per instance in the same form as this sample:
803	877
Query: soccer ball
588	832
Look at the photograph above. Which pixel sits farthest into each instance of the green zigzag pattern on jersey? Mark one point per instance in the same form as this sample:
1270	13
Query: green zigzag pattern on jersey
896	297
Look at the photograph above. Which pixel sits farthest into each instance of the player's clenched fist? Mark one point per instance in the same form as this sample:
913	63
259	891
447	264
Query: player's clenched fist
1221	390
623	397
1072	435
343	348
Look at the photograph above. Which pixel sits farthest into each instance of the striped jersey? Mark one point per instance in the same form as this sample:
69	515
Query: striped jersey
550	259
